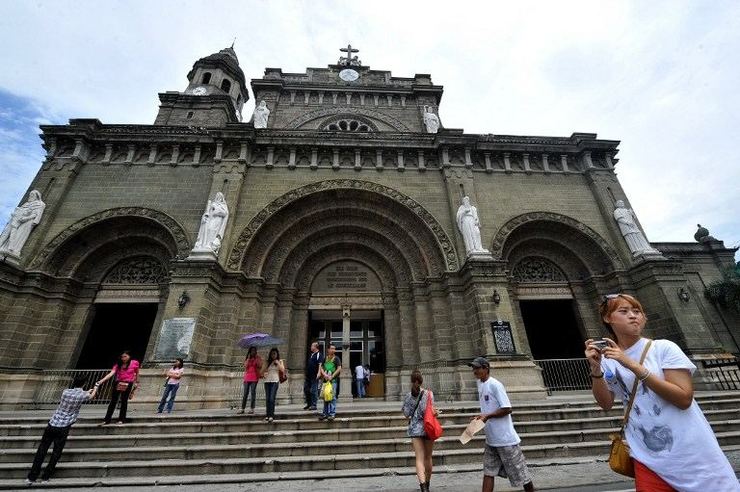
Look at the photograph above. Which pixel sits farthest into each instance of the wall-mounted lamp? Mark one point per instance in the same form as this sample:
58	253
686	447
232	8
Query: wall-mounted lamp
183	299
496	297
684	295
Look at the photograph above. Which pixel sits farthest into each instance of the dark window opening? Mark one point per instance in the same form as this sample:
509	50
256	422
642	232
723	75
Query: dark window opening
190	114
226	85
206	77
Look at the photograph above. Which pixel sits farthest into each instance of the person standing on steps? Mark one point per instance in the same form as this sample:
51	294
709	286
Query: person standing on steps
252	370
271	372
171	386
502	456
311	384
58	428
414	406
360	380
329	373
126	373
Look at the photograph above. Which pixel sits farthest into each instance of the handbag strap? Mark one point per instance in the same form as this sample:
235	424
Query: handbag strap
418	400
634	386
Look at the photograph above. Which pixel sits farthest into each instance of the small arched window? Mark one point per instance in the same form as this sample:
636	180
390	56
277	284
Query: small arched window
226	85
206	77
347	125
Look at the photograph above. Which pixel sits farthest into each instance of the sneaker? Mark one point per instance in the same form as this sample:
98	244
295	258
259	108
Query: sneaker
120	422
101	424
241	411
312	408
267	419
270	419
307	407
322	417
30	482
44	480
330	417
251	411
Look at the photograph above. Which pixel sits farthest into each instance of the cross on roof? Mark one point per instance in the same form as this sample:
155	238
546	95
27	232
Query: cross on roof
349	60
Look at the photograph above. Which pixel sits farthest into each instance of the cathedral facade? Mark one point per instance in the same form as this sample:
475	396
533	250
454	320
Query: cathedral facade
343	211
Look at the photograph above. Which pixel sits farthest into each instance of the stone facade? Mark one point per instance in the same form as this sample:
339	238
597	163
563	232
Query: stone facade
344	171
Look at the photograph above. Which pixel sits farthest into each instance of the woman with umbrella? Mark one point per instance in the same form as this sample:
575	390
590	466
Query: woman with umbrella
273	370
252	371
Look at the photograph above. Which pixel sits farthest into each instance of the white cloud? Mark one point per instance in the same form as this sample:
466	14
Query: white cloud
659	76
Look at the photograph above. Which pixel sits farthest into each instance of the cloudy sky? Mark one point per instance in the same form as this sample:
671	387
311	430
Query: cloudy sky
661	76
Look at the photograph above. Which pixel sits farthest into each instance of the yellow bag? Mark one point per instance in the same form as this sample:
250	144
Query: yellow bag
620	460
327	391
619	457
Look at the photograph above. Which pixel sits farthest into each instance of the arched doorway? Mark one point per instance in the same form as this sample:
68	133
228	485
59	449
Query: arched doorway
381	243
119	260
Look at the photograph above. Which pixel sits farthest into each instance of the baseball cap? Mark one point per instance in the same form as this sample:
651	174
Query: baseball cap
479	362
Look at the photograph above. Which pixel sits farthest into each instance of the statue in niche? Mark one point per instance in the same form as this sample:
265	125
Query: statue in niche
636	240
212	225
21	223
469	226
431	120
260	115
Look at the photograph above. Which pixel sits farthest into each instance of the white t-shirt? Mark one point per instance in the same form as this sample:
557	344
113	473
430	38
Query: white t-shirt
679	445
499	431
359	372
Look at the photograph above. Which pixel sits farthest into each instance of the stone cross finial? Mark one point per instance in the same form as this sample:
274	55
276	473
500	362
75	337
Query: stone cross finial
349	60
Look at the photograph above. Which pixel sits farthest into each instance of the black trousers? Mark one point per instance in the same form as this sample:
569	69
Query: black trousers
57	436
115	395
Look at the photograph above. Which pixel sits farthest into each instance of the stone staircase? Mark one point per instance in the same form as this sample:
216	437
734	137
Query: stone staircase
366	438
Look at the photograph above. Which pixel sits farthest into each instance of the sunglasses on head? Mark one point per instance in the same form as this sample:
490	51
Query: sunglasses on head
609	297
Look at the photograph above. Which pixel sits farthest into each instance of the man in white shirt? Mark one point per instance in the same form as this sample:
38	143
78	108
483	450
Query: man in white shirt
502	457
360	381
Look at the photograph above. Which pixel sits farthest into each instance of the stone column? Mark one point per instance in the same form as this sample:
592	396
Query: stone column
345	377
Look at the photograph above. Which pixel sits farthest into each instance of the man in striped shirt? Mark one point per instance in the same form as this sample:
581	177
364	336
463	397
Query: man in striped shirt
57	430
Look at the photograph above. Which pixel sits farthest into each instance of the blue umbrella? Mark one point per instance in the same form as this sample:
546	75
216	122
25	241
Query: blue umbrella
259	340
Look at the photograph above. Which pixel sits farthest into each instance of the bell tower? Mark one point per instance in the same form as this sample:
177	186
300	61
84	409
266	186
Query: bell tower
215	94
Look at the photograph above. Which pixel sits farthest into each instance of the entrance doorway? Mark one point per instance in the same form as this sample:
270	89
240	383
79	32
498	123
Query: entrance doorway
552	329
117	327
366	346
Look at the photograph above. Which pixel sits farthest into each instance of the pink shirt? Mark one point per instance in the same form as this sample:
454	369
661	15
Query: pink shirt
127	374
252	370
177	372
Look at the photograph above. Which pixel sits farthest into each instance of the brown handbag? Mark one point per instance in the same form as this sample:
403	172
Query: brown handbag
121	386
620	460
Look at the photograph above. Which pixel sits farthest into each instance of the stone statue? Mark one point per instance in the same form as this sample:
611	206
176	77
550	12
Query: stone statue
638	244
260	116
702	235
431	121
469	226
212	225
22	221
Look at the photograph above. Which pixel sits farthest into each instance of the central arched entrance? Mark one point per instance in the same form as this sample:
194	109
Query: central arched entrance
345	264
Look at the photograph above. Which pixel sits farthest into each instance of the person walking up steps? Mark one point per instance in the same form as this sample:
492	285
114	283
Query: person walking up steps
502	456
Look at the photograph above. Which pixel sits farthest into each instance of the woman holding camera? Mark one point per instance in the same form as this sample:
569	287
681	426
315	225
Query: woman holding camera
671	443
126	373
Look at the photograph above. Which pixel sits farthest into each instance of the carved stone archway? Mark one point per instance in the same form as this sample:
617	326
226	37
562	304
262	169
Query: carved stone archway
443	250
506	231
169	227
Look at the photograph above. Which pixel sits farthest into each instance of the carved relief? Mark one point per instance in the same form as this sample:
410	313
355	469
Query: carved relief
498	242
369	113
245	238
137	270
171	225
538	270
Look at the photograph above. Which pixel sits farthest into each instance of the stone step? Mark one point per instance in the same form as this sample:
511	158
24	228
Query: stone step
401	458
329	432
298	421
273	450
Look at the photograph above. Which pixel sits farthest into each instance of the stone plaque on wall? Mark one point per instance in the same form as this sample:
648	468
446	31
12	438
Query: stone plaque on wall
502	337
346	276
175	338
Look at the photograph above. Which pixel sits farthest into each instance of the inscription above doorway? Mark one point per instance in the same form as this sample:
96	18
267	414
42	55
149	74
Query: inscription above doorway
346	276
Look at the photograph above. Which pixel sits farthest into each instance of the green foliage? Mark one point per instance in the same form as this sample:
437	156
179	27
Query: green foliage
726	292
